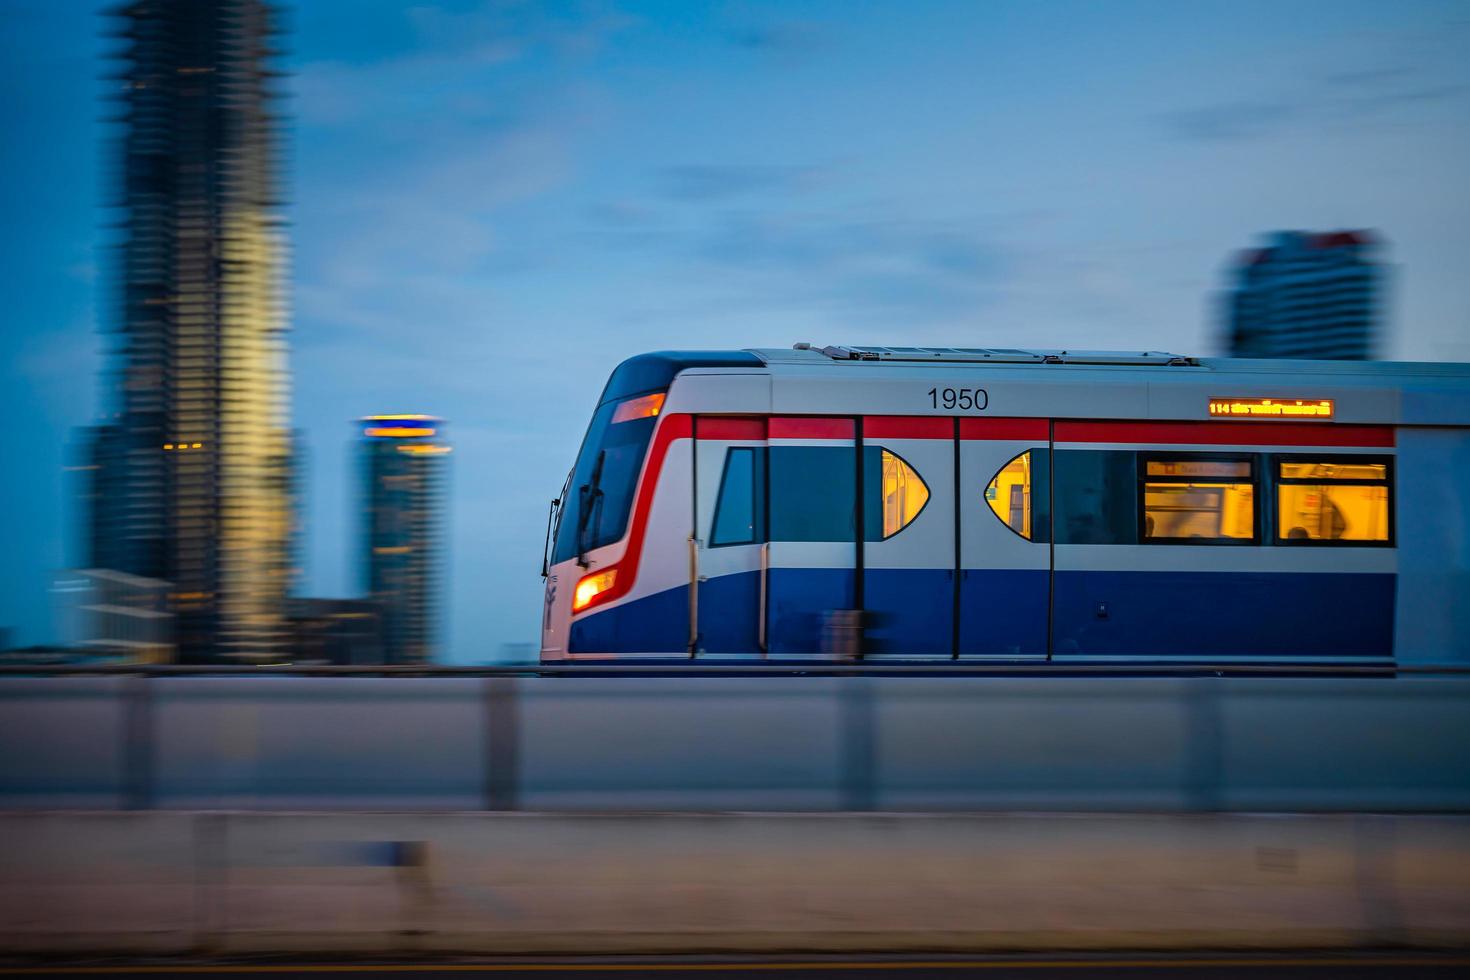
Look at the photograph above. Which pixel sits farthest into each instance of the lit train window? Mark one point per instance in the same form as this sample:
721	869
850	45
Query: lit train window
904	494
1199	500
1333	500
1010	493
1020	495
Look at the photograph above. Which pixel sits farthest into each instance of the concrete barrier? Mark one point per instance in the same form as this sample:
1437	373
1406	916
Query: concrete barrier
395	883
712	744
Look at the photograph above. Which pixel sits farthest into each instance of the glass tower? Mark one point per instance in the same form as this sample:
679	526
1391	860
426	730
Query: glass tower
1305	294
191	473
405	463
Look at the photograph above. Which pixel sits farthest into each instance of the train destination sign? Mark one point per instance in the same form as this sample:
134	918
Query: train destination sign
1272	408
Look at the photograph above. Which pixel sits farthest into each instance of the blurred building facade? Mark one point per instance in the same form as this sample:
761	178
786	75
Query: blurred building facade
189	477
335	631
110	613
405	468
1309	295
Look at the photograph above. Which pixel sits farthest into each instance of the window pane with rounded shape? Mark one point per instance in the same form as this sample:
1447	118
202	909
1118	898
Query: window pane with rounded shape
1009	495
904	494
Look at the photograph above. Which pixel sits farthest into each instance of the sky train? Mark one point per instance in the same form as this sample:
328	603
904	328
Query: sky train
971	505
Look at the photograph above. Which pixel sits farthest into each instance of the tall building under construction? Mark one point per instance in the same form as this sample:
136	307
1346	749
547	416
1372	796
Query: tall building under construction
191	471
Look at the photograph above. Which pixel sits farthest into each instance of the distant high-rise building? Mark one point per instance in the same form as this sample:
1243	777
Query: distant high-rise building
335	631
404	468
190	475
1306	294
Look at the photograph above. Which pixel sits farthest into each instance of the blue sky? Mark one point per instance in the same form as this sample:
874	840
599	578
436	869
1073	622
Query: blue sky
493	203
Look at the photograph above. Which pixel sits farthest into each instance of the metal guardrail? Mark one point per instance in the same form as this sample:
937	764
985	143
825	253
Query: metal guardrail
691	668
643	739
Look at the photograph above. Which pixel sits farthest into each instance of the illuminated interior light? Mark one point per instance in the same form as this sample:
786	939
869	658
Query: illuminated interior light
168	445
400	418
642	407
198	445
423	449
1272	408
397	432
591	586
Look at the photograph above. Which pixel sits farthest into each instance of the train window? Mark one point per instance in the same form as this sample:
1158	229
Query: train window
1333	500
813	492
904	493
1199	499
1018	494
1096	496
737	508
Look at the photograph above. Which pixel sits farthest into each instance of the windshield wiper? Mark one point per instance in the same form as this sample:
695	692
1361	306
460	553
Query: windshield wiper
589	498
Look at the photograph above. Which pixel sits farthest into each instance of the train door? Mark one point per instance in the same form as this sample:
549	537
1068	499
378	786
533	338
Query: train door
811	586
1005	538
730	535
908	554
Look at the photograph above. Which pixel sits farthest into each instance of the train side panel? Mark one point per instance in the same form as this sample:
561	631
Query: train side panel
1433	620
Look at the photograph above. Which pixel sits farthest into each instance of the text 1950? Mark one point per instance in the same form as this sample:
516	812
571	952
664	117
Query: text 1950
964	399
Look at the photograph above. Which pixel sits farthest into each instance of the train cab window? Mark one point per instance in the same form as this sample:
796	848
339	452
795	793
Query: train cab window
1333	500
904	493
599	497
1198	500
737	509
1018	495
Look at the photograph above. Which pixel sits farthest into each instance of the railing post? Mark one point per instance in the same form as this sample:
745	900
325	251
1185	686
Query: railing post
502	743
137	744
1204	760
857	743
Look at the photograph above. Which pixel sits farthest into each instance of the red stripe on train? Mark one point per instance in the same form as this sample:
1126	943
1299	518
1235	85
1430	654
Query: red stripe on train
798	427
995	428
907	427
730	427
1227	433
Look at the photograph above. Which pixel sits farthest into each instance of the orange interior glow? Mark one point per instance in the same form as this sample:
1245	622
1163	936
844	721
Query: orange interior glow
591	586
642	407
398	431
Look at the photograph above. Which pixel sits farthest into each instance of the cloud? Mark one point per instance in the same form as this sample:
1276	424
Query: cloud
1345	96
1229	122
790	38
1367	76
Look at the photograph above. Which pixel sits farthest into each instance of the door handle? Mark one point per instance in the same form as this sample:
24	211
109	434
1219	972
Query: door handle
693	595
765	594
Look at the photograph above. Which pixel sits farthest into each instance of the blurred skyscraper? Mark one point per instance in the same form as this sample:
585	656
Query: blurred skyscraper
189	477
1306	294
405	467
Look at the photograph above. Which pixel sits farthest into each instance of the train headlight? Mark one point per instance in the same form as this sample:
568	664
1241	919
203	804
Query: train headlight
591	586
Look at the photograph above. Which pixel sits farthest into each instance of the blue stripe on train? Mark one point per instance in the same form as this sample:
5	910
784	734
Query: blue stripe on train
799	600
909	610
1003	612
654	624
728	607
1263	614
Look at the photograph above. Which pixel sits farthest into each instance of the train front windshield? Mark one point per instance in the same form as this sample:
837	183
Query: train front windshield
599	496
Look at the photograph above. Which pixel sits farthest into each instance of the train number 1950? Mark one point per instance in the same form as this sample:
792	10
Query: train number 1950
965	399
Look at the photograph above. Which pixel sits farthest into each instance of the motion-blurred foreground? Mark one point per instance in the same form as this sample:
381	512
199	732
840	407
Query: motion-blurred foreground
554	813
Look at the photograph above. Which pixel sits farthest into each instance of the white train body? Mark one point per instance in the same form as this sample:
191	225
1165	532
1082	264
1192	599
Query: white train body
969	505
